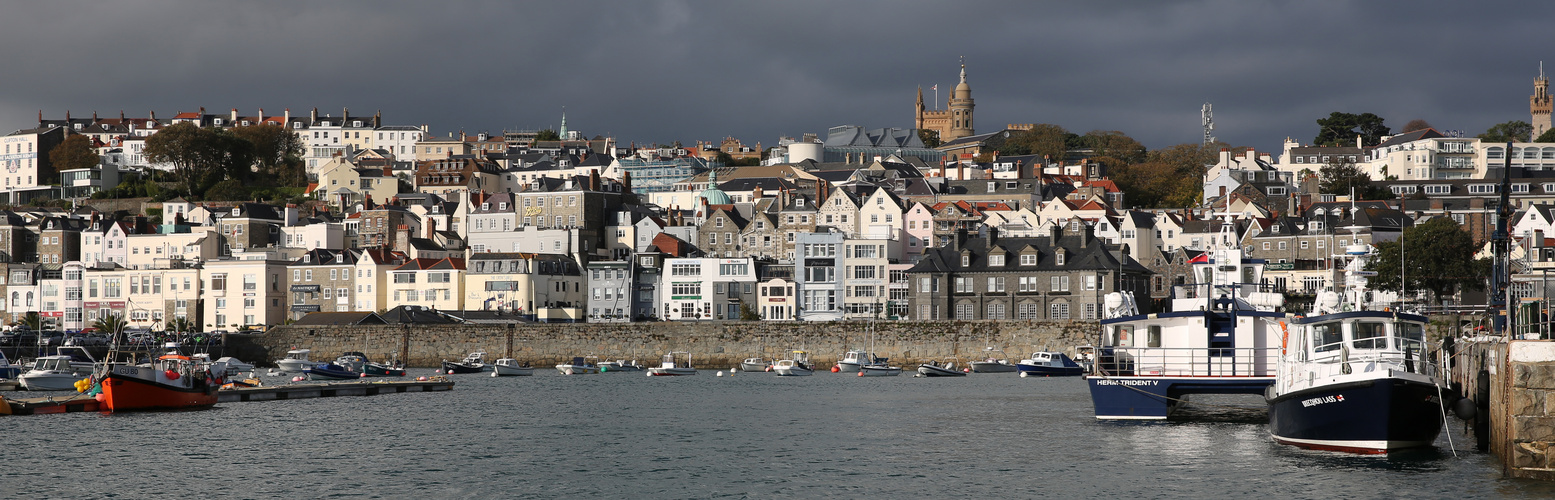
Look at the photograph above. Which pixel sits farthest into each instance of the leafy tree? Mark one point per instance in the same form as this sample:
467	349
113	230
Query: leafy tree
182	325
1045	139
549	135
1168	177
930	138
33	321
227	190
1112	144
1439	258
1547	136
1416	124
1340	129
111	324
75	152
200	157
274	146
1512	131
1341	176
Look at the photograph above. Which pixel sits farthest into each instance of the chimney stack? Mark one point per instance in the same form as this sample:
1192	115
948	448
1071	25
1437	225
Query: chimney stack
431	228
626	182
594	180
402	238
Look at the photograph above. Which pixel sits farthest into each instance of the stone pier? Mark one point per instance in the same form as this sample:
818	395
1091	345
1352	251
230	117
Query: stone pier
718	344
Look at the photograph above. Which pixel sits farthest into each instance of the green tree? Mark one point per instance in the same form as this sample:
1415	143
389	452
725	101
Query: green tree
1168	177
1045	139
1438	257
1512	131
274	148
1112	144
1340	177
1416	124
930	138
227	190
1547	136
1340	129
547	135
182	325
75	152
112	325
200	157
33	321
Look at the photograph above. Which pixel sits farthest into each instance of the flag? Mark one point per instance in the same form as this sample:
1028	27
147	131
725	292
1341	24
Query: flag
1203	258
935	87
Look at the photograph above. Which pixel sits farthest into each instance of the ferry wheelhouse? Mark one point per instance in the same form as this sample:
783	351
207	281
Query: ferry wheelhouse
1221	336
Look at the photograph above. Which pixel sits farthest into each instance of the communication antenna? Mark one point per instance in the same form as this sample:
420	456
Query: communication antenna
1209	123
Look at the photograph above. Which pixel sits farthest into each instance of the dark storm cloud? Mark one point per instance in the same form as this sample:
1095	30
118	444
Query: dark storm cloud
665	71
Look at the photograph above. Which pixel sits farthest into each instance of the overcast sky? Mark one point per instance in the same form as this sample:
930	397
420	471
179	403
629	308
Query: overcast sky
663	71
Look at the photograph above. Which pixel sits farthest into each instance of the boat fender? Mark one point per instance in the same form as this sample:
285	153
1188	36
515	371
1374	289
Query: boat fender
171	375
1465	409
769	368
1024	374
835	369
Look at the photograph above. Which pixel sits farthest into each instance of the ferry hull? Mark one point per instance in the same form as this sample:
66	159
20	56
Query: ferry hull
126	393
1372	417
1154	398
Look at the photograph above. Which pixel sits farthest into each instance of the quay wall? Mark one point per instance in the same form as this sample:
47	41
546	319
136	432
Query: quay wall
1512	385
718	344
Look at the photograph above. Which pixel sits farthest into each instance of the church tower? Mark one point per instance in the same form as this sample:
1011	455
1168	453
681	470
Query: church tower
960	107
917	112
1539	104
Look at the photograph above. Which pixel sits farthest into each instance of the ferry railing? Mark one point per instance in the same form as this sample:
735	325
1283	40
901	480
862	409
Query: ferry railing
1188	361
1207	290
1345	357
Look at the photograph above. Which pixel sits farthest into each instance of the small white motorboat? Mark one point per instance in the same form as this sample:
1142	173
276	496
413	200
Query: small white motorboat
754	365
852	360
620	365
50	373
947	369
296	361
580	365
799	366
879	370
353	361
509	367
999	363
236	366
668	367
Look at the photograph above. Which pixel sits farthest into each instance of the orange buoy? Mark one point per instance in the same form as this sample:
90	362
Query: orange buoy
861	373
835	368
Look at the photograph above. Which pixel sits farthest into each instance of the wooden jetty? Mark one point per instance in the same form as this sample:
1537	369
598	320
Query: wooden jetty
74	403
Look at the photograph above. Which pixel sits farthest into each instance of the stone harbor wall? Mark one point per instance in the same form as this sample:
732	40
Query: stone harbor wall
1528	421
718	344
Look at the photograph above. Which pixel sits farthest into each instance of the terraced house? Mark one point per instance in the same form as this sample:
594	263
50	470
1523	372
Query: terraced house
1057	277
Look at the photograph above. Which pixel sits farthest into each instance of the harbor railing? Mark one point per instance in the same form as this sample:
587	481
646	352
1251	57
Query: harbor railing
1188	361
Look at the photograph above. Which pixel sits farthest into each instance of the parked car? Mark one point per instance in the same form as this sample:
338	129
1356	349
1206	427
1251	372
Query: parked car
18	338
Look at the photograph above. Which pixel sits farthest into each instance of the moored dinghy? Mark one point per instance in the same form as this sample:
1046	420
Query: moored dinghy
755	364
509	367
947	369
798	366
995	362
475	362
668	367
580	365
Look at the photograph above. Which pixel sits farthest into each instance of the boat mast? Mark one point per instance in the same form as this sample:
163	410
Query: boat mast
1501	244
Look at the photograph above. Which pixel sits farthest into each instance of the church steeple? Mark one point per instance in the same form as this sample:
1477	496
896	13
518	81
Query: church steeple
1539	104
563	132
917	110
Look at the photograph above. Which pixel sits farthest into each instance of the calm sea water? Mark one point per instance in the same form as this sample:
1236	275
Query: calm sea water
752	435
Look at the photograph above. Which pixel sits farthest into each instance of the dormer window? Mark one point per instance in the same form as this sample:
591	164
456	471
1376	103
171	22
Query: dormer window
217	121
296	124
485	206
996	260
966	259
236	211
502	206
1058	257
356	123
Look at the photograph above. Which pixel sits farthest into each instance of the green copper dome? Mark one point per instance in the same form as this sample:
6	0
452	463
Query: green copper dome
714	195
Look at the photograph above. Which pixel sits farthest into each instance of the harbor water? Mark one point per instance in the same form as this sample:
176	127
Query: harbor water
750	435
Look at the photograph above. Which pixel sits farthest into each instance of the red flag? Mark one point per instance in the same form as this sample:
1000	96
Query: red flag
1203	258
